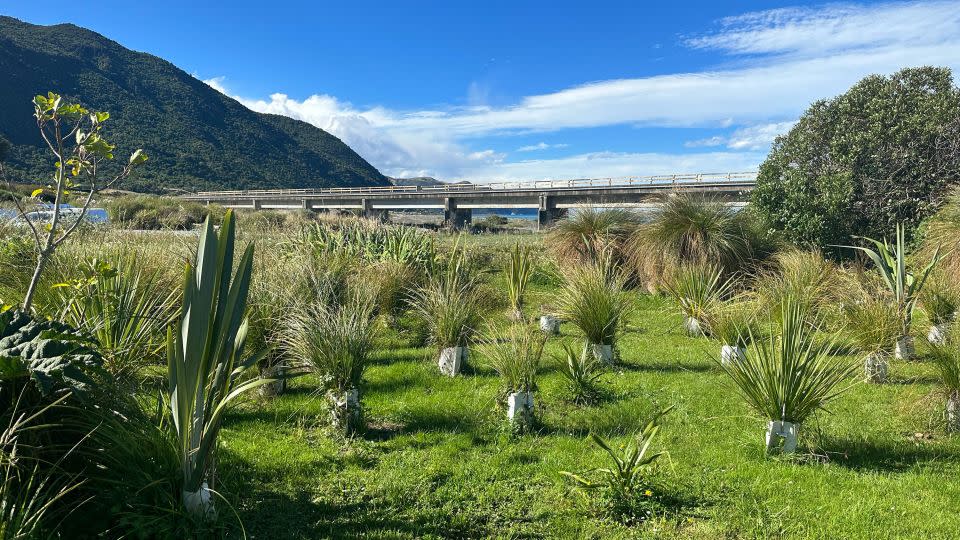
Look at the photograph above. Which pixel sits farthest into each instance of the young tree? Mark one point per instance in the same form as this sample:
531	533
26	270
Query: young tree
73	135
881	154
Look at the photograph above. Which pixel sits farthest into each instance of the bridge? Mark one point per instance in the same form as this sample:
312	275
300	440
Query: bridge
551	198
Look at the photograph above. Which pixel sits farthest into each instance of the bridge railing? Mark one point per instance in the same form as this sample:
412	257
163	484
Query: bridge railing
624	181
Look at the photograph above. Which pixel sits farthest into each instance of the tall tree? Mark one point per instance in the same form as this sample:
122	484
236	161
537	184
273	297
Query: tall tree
878	155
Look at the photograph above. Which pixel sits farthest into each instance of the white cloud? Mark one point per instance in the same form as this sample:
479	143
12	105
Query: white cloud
755	137
787	58
541	146
614	164
833	28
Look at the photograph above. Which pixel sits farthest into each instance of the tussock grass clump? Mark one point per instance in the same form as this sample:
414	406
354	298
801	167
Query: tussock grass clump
594	299
583	236
734	323
515	354
690	229
448	304
811	282
946	356
333	340
940	299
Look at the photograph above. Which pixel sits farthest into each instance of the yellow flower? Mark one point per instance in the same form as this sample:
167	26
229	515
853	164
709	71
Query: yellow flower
648	493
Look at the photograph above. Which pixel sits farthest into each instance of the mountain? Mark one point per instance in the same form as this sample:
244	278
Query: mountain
416	181
196	137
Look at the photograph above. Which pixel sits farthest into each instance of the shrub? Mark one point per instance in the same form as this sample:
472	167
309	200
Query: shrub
864	161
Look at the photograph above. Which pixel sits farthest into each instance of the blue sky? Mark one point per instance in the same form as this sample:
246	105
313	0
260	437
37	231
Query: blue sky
533	90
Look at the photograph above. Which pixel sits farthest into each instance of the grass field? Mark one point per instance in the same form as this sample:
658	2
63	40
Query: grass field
437	460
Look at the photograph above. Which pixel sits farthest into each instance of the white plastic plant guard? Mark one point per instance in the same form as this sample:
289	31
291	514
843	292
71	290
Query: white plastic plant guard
603	353
937	334
953	412
276	387
199	503
452	360
730	354
345	409
550	324
778	431
692	327
520	408
905	349
876	367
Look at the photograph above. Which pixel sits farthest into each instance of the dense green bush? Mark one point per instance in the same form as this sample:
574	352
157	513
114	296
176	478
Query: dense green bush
880	154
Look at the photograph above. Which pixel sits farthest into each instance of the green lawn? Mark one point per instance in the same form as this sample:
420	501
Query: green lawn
437	461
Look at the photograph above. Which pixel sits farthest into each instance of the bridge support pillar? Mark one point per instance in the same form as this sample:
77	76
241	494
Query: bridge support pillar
256	204
456	218
369	212
305	204
548	212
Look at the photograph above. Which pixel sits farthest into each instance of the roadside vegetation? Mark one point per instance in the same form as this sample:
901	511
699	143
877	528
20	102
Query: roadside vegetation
292	376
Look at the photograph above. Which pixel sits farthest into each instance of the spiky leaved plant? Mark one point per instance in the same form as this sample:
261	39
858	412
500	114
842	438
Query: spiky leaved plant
789	376
125	306
518	271
698	291
581	372
905	286
205	357
626	485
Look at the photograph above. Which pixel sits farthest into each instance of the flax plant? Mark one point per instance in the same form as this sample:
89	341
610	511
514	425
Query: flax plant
518	272
206	360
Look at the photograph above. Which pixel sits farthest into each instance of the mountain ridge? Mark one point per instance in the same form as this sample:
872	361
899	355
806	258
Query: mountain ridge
196	137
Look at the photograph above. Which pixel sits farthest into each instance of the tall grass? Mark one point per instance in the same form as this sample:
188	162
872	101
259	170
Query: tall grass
333	340
583	236
594	299
809	281
448	303
690	229
516	355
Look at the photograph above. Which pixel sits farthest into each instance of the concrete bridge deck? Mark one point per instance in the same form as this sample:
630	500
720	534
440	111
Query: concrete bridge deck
551	198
